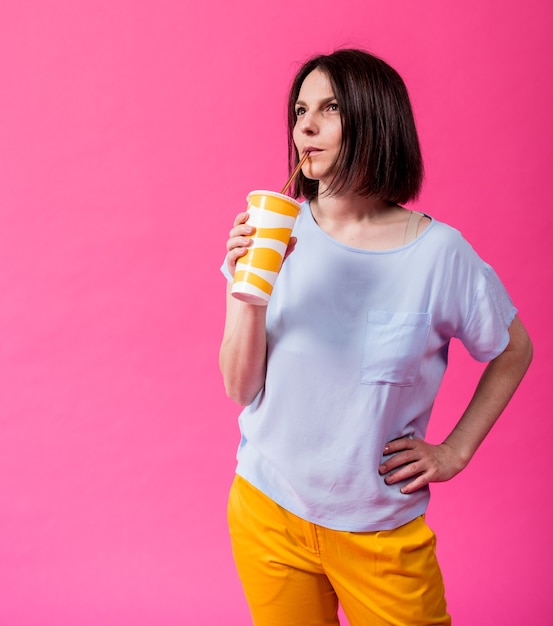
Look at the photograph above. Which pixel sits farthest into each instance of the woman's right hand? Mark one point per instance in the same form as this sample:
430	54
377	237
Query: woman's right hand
239	240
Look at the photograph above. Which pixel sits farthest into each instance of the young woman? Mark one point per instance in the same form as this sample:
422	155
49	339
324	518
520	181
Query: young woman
339	373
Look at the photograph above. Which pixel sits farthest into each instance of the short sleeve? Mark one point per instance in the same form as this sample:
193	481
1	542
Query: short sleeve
485	332
225	270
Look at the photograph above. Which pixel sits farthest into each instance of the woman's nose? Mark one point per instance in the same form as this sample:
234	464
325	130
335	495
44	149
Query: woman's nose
308	125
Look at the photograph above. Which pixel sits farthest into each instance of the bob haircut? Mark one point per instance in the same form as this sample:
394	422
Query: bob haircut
380	154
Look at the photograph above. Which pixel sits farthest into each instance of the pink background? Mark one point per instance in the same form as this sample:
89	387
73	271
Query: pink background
130	133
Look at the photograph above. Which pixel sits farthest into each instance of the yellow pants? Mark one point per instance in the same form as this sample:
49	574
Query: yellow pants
294	573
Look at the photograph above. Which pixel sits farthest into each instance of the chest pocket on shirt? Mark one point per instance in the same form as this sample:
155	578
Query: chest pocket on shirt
394	346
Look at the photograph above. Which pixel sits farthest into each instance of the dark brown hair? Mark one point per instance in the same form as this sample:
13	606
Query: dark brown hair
380	154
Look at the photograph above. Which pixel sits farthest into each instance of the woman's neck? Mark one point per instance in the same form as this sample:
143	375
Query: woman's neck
361	222
350	207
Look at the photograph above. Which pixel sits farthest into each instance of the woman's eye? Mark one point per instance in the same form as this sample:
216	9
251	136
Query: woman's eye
300	111
333	106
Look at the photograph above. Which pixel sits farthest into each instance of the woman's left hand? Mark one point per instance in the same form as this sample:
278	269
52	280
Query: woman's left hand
414	458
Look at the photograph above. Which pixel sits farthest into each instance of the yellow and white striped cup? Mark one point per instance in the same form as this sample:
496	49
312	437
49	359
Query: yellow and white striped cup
272	215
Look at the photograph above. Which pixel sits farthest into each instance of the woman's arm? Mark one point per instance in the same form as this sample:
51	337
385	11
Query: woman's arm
243	352
430	463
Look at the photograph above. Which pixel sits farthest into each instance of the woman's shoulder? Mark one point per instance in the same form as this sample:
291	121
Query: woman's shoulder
445	233
449	246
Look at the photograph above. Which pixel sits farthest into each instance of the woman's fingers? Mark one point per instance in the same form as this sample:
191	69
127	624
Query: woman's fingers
239	240
417	459
241	218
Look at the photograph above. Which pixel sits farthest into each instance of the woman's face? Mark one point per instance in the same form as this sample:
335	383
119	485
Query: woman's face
318	127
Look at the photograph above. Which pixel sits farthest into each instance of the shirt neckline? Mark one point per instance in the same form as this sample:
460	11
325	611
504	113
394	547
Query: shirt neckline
345	246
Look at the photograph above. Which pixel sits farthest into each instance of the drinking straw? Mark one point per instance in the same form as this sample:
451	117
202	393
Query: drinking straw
294	173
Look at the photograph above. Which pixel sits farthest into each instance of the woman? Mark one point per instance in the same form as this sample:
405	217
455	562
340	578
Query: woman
339	373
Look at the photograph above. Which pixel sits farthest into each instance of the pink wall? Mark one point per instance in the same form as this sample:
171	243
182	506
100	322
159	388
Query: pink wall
130	133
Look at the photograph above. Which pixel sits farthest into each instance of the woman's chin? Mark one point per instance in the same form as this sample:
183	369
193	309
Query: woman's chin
313	173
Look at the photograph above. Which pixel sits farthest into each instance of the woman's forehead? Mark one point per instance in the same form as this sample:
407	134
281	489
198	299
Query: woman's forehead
316	86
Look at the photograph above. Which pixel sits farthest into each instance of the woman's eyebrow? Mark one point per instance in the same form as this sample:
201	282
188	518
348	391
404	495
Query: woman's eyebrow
321	102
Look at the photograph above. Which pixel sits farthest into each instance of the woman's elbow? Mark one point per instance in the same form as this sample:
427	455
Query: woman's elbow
240	389
242	382
241	394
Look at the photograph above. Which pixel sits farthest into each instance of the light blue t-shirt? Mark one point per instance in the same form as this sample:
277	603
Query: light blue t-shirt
357	348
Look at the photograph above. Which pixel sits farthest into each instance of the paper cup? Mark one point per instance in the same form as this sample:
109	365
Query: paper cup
272	215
